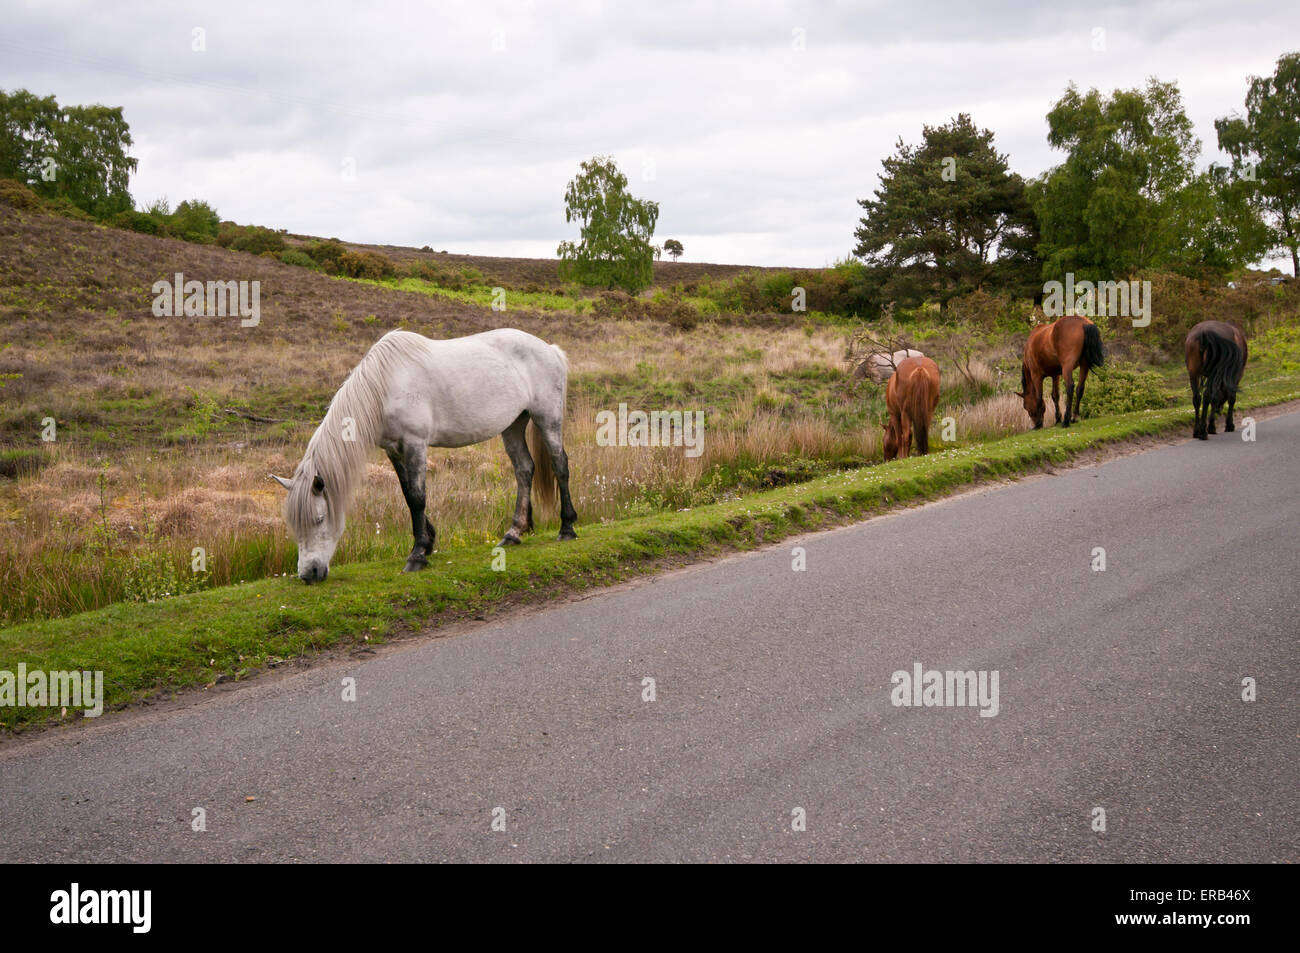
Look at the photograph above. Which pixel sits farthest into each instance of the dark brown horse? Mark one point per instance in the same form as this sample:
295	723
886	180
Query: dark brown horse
1216	359
1055	350
910	398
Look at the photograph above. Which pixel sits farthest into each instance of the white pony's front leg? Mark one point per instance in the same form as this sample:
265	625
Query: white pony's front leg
410	458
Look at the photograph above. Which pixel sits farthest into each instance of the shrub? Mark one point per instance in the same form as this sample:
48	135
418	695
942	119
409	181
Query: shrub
257	240
987	312
62	205
366	264
195	221
17	195
679	314
135	221
776	290
434	274
328	254
1121	389
616	304
295	256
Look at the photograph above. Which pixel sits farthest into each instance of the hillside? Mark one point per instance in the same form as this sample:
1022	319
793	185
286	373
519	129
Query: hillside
130	375
518	272
166	428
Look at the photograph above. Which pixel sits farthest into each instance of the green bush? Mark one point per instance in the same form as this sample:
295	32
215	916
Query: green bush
17	195
135	221
227	232
777	289
988	312
843	289
435	274
328	254
257	240
195	221
366	264
62	205
295	256
1120	389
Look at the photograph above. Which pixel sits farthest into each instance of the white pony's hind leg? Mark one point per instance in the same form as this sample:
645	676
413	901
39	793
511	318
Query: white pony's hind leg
547	415
552	434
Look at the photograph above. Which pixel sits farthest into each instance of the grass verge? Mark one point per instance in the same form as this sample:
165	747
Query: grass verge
234	631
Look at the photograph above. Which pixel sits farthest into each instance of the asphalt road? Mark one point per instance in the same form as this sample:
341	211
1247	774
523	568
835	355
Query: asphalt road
1118	690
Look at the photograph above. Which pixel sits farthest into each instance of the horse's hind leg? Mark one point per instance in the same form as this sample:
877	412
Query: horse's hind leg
1056	397
1232	402
411	461
517	449
1068	373
1197	429
1078	395
552	432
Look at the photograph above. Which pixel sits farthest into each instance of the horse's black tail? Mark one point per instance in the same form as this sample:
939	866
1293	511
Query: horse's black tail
1094	352
1221	365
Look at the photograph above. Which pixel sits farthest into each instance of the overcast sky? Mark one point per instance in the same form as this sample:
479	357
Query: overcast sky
756	126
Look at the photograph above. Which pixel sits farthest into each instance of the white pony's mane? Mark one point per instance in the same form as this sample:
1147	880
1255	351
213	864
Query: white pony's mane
342	463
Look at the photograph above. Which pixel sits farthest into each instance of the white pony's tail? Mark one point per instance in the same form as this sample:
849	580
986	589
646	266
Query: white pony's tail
546	489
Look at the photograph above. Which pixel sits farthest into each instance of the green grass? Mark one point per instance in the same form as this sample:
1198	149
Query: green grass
483	296
232	631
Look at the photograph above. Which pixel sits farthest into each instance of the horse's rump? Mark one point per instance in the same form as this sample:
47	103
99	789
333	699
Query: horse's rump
546	486
1094	352
912	395
921	398
1220	350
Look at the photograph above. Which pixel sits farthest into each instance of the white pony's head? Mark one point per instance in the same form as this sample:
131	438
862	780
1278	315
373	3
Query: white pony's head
315	517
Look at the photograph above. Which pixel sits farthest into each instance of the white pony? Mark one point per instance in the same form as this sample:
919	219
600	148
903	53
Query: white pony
880	367
410	393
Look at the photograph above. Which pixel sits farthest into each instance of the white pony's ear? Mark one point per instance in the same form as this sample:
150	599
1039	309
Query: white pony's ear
282	481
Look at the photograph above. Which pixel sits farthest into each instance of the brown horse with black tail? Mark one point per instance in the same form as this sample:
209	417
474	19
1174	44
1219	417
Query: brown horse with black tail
1055	350
910	398
1216	360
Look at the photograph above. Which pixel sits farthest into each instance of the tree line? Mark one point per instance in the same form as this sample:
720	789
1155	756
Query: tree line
948	217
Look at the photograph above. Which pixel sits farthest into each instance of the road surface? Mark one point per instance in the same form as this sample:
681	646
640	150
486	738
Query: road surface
1119	690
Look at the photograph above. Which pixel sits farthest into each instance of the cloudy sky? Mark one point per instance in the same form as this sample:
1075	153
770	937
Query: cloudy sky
756	126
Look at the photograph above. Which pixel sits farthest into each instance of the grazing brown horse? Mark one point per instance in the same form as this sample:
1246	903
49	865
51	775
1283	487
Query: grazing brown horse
1216	359
910	397
1055	350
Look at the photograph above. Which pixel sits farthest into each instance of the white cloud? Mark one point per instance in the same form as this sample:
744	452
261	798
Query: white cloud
759	150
